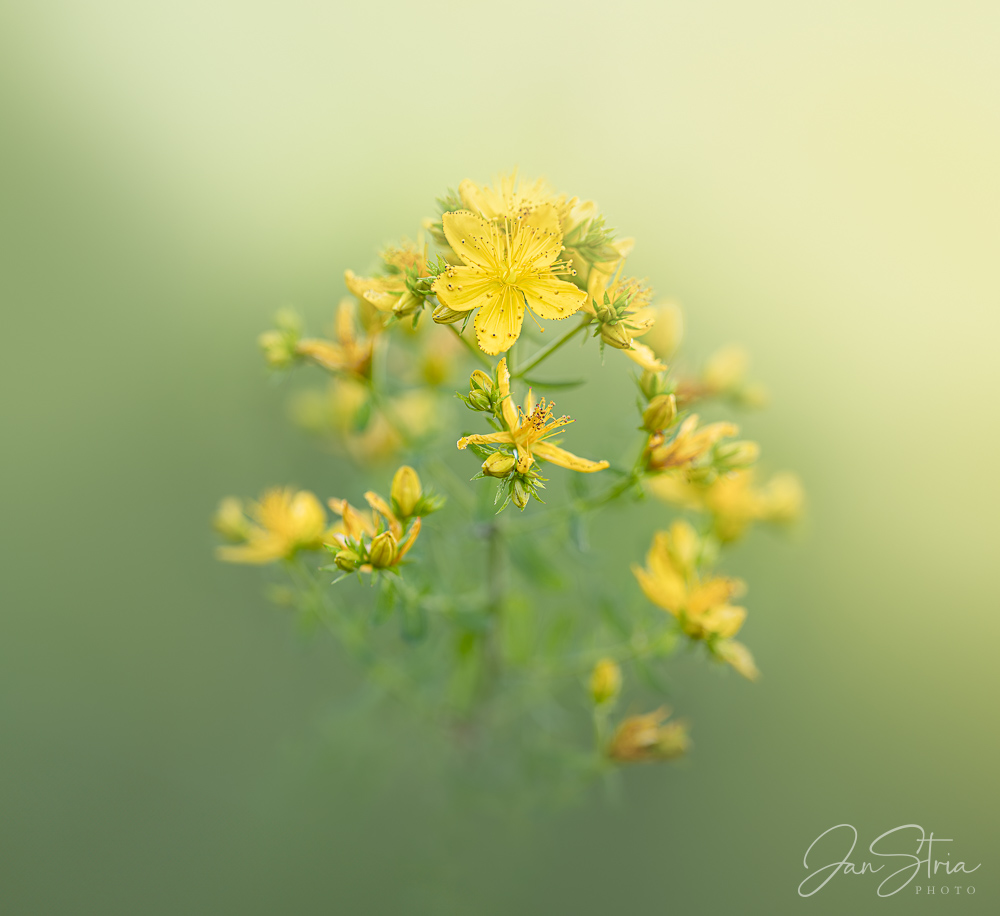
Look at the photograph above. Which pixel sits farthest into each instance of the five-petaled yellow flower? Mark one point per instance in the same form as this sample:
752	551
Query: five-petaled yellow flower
505	266
281	524
671	581
528	433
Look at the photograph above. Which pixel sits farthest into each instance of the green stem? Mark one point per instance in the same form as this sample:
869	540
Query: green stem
546	352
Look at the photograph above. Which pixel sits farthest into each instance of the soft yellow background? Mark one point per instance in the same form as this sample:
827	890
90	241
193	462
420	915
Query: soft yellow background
818	181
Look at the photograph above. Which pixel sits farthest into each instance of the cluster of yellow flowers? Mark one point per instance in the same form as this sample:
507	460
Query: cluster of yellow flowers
502	250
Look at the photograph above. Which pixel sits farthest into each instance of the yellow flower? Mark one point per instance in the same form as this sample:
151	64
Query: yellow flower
389	293
687	445
505	266
510	198
649	737
671	581
283	522
734	500
632	317
369	540
351	353
528	433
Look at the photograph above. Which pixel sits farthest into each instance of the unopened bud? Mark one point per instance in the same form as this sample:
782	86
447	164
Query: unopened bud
382	552
519	494
660	413
444	315
650	384
278	347
406	491
347	560
407	304
481	380
605	681
479	400
498	464
616	335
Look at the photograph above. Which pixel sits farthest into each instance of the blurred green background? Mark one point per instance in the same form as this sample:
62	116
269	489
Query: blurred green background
818	181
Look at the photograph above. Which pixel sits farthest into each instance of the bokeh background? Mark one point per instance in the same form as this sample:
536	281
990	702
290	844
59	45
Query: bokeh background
818	181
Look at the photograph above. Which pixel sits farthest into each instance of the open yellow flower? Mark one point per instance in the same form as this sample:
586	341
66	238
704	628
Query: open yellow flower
281	524
505	266
734	500
350	353
671	581
528	433
649	737
389	292
509	198
687	445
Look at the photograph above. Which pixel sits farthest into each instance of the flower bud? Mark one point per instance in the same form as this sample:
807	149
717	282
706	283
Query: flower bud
660	413
382	552
481	380
616	335
347	560
650	384
406	491
278	347
407	304
519	494
498	464
605	681
479	400
444	315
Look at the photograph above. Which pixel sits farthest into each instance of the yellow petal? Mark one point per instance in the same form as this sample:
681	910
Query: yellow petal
498	324
663	593
565	459
474	240
550	297
464	288
536	239
478	439
506	404
382	508
408	541
645	357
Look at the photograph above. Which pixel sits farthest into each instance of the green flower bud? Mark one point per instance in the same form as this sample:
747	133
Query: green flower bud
499	464
347	560
650	384
479	400
519	494
444	315
278	347
406	491
616	335
382	552
660	413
